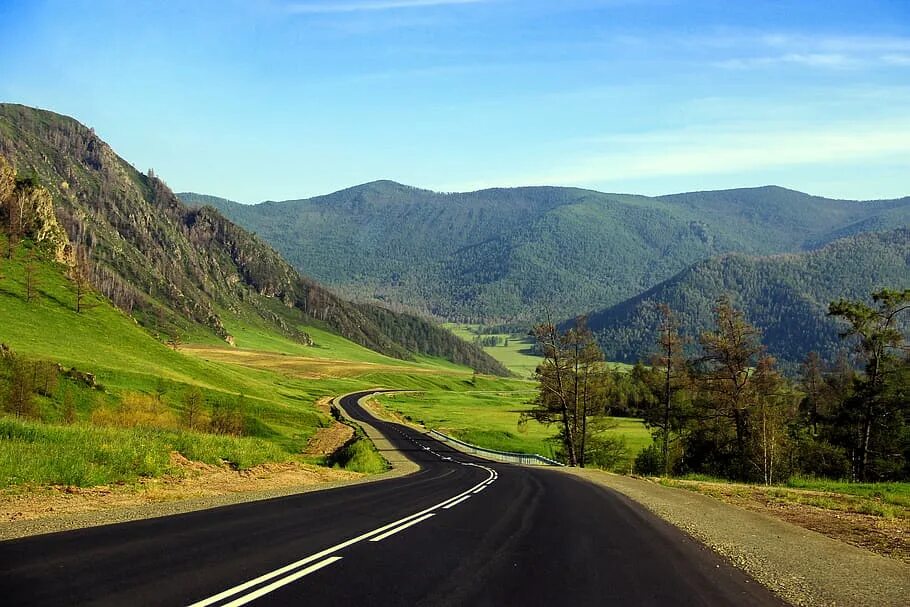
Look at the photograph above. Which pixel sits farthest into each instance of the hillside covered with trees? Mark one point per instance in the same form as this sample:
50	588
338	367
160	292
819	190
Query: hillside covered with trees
502	255
785	296
179	271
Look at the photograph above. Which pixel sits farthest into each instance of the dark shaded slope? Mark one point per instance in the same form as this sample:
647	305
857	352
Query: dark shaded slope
785	295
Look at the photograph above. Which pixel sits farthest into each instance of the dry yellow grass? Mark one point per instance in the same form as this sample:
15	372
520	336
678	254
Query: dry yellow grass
302	367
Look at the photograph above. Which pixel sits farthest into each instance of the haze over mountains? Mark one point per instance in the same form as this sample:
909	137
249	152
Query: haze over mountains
184	271
502	255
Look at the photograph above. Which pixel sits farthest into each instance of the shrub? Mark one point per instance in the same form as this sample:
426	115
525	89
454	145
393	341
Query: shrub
649	462
136	411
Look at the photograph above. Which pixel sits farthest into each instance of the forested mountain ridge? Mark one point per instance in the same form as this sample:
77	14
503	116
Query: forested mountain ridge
179	270
502	255
786	296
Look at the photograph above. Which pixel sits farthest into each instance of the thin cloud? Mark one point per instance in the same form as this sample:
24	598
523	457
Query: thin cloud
378	5
818	60
704	152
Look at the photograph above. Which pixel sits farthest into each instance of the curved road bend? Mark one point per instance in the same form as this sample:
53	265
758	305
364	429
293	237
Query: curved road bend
461	531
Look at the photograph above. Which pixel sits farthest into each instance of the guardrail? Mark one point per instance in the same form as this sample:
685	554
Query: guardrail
526	459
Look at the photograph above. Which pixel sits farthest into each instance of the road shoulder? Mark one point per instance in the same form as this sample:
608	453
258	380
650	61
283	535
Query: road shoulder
802	566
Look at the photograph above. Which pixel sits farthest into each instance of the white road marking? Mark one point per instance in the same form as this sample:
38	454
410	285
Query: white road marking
379	538
282	582
456	502
479	489
323	553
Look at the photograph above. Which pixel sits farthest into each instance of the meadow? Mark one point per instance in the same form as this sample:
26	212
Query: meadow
492	419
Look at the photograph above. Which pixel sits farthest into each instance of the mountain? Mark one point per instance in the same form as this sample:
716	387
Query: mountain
190	271
503	255
786	296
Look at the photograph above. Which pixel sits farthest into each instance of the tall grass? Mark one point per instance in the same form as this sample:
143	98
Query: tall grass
360	455
36	453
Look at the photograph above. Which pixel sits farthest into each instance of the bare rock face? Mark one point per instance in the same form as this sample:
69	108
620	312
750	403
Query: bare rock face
27	211
45	226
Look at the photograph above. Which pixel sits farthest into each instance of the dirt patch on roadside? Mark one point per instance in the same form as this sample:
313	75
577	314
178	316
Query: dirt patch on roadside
326	441
324	405
195	480
888	536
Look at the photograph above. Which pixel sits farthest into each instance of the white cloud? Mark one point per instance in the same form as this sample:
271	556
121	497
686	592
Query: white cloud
368	5
745	49
719	150
823	60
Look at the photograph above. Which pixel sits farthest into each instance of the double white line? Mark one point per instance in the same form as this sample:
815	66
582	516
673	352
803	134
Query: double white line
296	570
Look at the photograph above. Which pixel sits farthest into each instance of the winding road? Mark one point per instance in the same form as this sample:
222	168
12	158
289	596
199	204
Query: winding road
460	531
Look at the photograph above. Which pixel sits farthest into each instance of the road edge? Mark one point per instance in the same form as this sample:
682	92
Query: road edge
802	567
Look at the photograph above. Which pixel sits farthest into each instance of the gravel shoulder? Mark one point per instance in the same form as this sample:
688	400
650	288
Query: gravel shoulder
802	566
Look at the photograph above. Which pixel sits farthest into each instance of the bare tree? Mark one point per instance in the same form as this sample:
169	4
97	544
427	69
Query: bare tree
671	364
193	408
80	277
31	276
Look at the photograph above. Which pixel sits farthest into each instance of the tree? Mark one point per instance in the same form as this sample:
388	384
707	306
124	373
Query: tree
879	401
79	276
671	364
20	393
769	433
812	382
228	417
175	340
193	408
725	373
570	385
31	276
69	406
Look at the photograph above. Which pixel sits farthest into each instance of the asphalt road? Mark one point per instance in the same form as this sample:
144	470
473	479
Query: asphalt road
461	531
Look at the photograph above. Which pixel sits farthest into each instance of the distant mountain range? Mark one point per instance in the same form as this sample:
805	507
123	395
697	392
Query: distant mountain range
786	296
506	255
191	271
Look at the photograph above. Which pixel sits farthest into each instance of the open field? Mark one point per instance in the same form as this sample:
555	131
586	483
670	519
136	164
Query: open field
491	419
514	350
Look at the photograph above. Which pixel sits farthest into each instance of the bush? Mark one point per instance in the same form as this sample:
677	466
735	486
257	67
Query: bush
649	462
607	452
360	455
137	411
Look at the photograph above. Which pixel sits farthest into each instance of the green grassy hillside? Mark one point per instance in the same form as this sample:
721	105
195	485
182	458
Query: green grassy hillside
182	271
502	255
128	425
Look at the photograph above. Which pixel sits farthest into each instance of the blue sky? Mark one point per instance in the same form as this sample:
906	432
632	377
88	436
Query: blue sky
273	99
